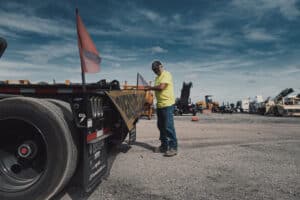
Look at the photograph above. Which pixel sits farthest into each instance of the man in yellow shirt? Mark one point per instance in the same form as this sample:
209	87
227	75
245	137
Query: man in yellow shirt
164	93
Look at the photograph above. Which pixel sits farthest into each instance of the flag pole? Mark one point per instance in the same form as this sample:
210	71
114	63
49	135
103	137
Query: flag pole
80	54
137	81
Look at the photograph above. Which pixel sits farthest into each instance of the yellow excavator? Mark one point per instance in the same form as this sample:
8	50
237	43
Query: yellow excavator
208	105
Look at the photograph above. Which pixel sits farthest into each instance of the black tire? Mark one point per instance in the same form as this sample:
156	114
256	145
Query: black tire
58	158
68	116
66	110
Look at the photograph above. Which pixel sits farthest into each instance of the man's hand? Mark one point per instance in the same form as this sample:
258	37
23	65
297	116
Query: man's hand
159	87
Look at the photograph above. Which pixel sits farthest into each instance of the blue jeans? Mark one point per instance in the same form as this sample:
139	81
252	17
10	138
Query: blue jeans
165	124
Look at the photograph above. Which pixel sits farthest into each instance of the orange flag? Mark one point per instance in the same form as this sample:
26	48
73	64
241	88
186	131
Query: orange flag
89	56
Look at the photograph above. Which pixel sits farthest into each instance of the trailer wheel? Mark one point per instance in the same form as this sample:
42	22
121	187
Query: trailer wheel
37	155
68	116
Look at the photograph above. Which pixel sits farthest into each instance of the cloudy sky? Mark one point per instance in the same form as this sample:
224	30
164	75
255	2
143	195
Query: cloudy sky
231	49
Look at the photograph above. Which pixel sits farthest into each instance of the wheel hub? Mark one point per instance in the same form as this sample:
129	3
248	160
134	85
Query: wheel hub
27	150
23	157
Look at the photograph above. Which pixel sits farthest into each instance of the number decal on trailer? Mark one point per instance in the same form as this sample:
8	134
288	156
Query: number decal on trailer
82	117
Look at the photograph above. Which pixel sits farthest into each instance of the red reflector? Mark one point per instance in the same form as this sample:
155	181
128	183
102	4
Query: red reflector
24	151
91	136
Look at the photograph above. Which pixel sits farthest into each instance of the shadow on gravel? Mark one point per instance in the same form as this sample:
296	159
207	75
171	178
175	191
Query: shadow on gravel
76	193
242	143
144	145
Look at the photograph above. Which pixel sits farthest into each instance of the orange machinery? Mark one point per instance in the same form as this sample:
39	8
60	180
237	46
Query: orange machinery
208	105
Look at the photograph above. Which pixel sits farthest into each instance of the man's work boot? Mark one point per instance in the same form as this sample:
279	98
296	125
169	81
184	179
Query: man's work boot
171	152
160	149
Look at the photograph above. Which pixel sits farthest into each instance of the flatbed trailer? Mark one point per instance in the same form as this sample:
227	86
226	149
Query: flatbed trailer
57	134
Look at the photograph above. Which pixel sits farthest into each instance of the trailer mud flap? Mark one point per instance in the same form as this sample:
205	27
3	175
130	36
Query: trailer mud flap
132	136
95	164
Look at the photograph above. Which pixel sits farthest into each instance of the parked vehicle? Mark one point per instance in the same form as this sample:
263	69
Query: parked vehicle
282	105
243	105
58	134
183	104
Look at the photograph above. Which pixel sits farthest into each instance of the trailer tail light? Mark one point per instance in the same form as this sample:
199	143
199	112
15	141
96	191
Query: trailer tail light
97	106
98	135
91	136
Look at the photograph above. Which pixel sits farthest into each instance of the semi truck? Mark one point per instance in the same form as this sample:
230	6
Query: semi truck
58	134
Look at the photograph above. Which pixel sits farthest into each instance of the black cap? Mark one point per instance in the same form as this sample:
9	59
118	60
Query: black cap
156	64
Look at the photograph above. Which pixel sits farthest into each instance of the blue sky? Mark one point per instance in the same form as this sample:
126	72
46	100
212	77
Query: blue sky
229	49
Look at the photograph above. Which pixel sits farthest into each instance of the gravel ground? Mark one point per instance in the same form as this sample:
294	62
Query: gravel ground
236	156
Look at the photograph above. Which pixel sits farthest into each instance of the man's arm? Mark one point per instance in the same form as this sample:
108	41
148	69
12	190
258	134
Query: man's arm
159	87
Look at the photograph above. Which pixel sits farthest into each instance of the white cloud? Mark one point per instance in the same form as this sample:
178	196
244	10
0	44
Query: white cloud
10	74
177	18
287	9
272	52
223	40
158	49
16	65
204	26
191	76
117	58
36	72
21	22
259	35
99	32
292	69
115	53
44	53
152	16
122	28
8	34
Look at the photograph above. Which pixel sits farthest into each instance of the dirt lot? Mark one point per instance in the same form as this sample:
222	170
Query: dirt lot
220	157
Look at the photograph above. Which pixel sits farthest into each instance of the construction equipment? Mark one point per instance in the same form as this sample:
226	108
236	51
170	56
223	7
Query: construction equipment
208	105
227	108
183	104
243	105
256	106
282	105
